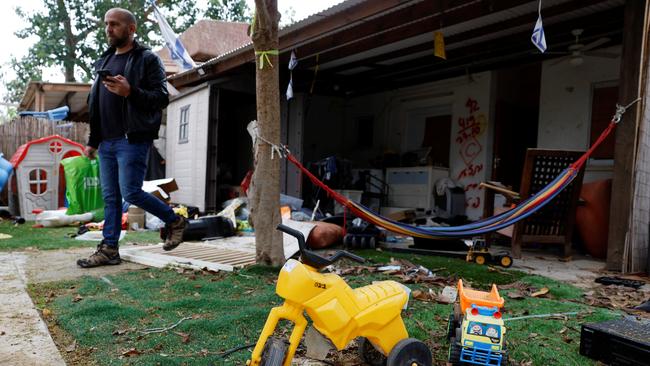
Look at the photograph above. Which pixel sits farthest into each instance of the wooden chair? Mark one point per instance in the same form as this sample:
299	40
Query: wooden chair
552	224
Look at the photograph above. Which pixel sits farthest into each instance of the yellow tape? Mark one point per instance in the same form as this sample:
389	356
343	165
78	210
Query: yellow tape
264	57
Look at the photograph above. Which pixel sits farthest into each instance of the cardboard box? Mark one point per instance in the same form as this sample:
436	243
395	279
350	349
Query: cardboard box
160	188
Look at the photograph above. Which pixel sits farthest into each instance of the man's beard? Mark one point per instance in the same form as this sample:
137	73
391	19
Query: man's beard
118	42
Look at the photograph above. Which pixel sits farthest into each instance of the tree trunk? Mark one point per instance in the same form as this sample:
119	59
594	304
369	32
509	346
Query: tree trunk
265	185
70	44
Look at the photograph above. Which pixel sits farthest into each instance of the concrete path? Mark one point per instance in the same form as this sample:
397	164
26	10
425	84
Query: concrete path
24	338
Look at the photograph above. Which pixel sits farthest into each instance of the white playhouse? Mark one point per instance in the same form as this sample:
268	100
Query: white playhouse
38	173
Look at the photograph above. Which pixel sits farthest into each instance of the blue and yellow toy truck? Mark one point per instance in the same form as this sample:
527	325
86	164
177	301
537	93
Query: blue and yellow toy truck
476	331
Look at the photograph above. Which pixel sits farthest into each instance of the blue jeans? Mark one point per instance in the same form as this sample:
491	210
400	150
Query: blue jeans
122	168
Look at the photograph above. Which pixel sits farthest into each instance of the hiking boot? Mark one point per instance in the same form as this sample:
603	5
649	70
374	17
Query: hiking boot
175	233
104	256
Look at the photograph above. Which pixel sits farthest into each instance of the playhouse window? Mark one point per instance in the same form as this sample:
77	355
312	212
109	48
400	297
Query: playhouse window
38	181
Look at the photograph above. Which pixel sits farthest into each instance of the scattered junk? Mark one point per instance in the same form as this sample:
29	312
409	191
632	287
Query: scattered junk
620	282
617	342
39	174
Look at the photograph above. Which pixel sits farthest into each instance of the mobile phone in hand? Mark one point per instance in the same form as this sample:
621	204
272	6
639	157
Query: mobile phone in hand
103	73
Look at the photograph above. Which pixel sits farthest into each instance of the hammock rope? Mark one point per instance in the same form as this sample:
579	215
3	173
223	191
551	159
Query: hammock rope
480	227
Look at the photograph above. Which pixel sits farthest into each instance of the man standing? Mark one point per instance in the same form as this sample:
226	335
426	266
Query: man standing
125	106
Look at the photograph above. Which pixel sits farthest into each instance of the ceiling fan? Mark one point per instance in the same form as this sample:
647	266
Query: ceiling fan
576	52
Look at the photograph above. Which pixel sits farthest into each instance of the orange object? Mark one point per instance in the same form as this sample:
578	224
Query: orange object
285	212
592	219
479	298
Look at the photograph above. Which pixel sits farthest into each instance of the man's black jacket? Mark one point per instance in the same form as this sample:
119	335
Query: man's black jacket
142	109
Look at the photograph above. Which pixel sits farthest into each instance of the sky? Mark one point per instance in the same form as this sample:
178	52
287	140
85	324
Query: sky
14	46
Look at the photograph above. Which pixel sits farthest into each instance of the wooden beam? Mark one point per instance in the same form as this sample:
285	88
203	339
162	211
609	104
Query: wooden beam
476	32
635	53
66	87
425	23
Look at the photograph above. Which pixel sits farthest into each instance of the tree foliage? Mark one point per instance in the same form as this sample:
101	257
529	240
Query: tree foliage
229	10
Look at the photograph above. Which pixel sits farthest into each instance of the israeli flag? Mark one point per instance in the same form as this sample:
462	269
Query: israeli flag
538	38
293	62
176	50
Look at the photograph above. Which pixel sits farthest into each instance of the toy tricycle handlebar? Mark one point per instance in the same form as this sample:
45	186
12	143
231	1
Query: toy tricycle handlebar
313	259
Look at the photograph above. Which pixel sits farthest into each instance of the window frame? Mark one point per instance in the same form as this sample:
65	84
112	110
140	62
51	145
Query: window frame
184	124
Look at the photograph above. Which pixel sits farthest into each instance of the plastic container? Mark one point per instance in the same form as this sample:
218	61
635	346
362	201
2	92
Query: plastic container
136	218
57	218
5	171
352	195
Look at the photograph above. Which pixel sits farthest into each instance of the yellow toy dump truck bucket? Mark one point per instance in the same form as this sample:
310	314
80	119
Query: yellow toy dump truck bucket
480	298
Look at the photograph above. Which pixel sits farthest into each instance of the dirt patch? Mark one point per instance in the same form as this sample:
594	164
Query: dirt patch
72	353
59	265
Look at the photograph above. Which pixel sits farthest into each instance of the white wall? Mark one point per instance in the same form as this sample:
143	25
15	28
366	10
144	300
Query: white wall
469	148
186	162
565	105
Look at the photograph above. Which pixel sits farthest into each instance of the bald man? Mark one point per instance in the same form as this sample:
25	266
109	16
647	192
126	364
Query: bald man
125	106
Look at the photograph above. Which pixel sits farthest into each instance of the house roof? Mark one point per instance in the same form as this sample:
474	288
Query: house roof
207	39
22	151
389	43
41	96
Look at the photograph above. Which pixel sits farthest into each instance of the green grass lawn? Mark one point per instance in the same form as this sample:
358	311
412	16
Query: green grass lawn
25	236
106	316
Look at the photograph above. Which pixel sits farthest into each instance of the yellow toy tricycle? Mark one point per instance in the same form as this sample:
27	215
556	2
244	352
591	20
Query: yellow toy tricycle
338	312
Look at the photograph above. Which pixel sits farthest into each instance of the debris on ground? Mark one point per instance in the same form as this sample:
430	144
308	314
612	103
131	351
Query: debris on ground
618	298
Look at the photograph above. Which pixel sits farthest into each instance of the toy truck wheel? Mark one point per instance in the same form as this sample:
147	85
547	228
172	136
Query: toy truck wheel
505	261
454	352
369	354
451	326
479	259
274	352
409	352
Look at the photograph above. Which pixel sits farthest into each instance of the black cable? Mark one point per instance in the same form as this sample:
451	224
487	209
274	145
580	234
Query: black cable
233	350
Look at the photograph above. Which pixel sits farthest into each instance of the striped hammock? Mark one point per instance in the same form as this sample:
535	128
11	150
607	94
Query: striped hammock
484	226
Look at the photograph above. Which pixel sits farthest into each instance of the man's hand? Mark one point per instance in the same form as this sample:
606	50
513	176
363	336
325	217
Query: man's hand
90	152
117	85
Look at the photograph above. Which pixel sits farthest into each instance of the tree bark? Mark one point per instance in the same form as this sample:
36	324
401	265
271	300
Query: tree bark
265	185
70	44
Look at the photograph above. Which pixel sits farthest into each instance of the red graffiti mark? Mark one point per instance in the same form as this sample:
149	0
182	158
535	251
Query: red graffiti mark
473	186
472	105
473	202
470	171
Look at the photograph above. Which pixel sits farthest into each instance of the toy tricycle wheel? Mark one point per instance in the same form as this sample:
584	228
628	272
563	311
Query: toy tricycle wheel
369	354
409	352
274	352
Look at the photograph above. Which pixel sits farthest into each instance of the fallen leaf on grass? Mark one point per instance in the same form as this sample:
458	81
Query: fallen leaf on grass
132	352
71	347
563	330
185	338
47	312
516	295
543	291
120	332
533	335
77	298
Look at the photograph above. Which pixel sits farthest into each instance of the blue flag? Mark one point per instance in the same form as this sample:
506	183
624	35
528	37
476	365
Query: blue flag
538	38
176	50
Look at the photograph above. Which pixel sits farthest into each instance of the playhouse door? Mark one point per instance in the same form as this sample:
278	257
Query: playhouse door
38	190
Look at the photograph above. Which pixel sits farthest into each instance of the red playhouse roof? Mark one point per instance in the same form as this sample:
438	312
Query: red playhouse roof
20	154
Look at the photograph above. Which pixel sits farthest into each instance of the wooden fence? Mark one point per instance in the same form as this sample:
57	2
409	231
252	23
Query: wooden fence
23	129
